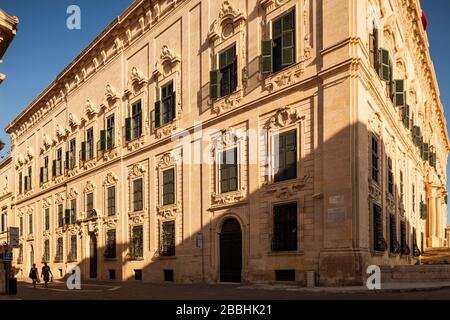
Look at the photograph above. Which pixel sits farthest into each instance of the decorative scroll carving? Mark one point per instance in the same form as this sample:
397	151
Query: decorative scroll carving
73	193
136	171
284	116
227	14
137	81
91	109
168	60
89	187
110	179
59	198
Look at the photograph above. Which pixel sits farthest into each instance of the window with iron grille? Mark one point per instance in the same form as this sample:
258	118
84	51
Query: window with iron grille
110	252
137	242
285	227
59	249
137	195
60	216
168	187
375	160
379	241
47	218
46	257
90	204
228	168
390	177
168	239
394	245
404	239
223	81
285	162
111	200
73	248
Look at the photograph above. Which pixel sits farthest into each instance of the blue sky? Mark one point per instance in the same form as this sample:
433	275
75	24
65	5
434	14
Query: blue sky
44	46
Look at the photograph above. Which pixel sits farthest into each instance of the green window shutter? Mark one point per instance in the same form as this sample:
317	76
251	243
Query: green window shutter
67	216
426	151
400	93
54	168
288	39
83	151
375	48
214	85
174	105
384	67
102	140
266	56
128	129
158	114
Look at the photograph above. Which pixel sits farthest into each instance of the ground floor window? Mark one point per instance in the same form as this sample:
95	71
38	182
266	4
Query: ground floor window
285	227
137	242
168	239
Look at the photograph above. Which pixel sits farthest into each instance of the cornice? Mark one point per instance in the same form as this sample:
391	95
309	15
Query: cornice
117	36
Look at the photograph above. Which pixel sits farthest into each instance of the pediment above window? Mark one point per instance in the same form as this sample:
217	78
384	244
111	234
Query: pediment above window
229	20
167	63
284	117
136	82
91	110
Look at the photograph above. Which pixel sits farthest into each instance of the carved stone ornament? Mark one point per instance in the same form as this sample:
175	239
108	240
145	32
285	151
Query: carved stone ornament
136	171
73	193
110	222
374	123
47	202
228	198
287	191
30	152
167	160
285	78
111	96
137	81
91	109
227	103
61	132
74	121
111	179
47	141
169	212
375	192
59	198
283	117
137	219
89	187
227	13
168	60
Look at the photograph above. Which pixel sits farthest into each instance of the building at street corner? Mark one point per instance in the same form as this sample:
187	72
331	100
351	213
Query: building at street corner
8	29
236	141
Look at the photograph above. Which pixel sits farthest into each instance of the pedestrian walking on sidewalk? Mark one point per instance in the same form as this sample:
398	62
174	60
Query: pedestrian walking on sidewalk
46	273
34	276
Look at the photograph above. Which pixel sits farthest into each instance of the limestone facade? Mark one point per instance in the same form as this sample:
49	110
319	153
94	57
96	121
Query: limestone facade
324	219
8	29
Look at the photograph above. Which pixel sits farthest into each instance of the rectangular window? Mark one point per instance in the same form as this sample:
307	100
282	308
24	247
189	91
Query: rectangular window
379	242
138	204
47	218
20	256
59	249
285	228
30	224
73	211
165	110
20	182
46	257
390	177
57	164
60	216
285	156
168	187
168	239
87	147
228	169
4	221
44	171
90	205
28	179
110	130
375	160
73	248
110	244
413	198
401	187
111	200
21	226
404	239
393	234
71	155
137	241
223	81
283	37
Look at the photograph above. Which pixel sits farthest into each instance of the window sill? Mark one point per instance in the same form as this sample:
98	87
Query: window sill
136	259
167	257
285	253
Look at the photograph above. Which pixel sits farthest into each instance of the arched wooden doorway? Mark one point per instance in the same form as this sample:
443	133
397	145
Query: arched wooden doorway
93	256
230	251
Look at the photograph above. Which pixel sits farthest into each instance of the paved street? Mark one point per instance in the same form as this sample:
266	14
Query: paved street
144	291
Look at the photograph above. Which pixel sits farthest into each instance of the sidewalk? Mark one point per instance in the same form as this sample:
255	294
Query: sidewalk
385	288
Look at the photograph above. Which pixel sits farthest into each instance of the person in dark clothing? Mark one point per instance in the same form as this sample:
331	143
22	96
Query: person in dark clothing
34	276
46	273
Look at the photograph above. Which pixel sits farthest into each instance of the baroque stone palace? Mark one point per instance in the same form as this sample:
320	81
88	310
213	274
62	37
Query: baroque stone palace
8	30
235	140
